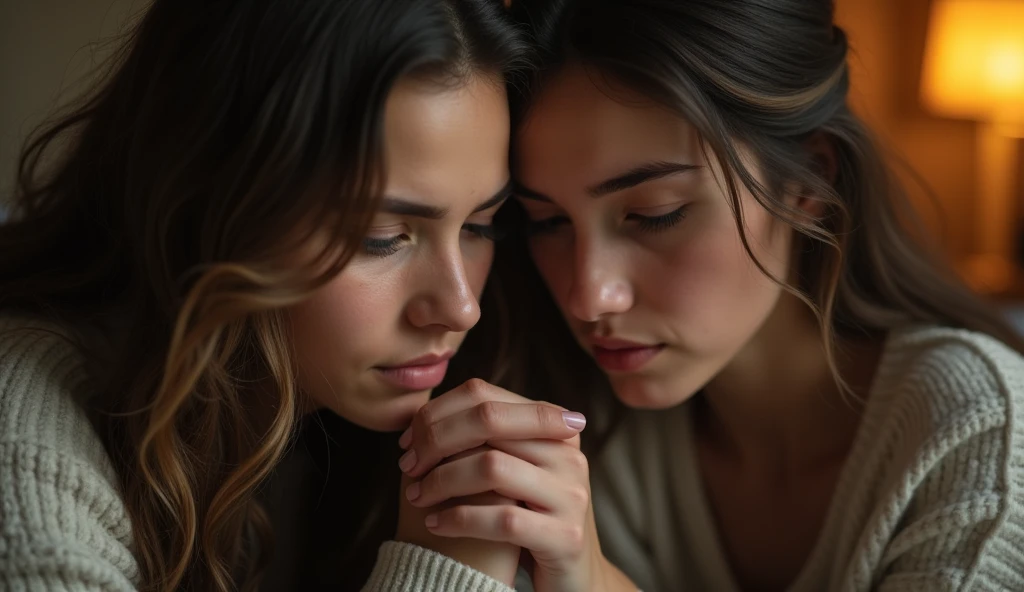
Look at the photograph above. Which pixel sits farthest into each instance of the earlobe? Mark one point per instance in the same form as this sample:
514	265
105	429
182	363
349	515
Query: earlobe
822	151
811	205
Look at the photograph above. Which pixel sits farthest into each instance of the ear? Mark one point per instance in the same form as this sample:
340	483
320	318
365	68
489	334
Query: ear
822	151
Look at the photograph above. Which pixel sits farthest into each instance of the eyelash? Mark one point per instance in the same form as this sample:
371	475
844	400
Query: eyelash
386	247
383	247
653	224
646	224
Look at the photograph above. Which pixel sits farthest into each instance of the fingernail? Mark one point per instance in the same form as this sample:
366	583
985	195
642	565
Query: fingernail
430	520
412	492
406	439
575	421
408	461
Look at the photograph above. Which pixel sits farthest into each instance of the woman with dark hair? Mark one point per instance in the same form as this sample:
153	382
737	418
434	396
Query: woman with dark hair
265	208
786	390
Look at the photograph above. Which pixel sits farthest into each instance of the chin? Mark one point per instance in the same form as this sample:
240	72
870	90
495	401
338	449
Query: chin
644	392
388	415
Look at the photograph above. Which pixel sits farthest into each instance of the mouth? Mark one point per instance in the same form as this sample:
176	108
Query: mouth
619	355
418	374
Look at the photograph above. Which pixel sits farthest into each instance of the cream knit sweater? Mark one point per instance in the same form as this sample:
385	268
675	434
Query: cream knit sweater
931	498
62	523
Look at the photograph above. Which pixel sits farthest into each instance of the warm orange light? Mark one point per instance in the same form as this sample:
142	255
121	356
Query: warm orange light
974	62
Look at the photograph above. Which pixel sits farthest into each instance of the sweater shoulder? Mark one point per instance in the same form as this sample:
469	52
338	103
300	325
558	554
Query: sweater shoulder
43	389
945	463
64	524
952	376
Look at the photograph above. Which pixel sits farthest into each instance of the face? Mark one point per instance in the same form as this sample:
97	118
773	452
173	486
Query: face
374	342
633	231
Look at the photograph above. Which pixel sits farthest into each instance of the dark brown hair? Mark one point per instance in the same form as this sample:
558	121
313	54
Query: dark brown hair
767	75
164	210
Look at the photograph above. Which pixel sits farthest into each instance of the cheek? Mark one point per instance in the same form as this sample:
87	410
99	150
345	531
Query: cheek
336	328
708	283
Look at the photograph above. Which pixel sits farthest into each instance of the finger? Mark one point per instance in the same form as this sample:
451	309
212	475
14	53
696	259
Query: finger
468	394
561	457
540	533
464	396
478	425
508	476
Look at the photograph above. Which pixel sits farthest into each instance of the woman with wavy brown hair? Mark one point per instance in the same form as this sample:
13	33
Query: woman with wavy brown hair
786	390
265	208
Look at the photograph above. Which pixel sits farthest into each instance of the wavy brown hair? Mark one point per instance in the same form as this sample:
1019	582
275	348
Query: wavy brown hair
768	76
159	217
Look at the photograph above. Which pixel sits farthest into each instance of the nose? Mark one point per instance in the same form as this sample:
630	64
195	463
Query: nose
600	286
446	299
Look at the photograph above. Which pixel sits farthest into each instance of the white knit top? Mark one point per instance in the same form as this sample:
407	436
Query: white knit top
931	498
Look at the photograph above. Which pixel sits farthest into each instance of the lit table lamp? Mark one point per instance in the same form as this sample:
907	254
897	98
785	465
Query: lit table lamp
974	69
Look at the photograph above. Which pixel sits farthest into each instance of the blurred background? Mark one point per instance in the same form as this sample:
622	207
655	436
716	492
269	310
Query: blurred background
940	81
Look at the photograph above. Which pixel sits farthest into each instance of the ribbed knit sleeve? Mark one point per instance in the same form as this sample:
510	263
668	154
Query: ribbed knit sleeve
62	523
410	568
963	526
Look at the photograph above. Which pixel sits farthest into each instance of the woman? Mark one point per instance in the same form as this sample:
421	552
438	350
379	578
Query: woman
794	394
266	208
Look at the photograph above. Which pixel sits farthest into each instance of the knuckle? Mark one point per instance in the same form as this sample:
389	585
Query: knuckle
549	418
493	465
579	496
574	538
489	413
578	461
433	481
476	389
460	517
426	414
509	522
432	436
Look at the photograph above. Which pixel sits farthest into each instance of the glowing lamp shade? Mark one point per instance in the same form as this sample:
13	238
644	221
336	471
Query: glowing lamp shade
974	61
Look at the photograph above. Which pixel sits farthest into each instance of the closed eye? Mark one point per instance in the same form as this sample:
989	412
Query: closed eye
653	224
384	247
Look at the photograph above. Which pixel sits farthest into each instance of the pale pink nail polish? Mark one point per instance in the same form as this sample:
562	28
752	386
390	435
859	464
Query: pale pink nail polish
413	492
575	421
431	521
406	439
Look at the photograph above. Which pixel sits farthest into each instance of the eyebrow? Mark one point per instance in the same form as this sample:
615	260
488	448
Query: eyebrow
635	176
404	207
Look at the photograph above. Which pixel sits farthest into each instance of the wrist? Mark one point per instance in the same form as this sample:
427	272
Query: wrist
611	579
497	560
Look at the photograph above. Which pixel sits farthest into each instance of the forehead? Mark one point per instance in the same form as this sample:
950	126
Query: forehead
446	144
589	125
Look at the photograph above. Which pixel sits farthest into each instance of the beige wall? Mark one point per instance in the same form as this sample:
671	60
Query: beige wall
46	49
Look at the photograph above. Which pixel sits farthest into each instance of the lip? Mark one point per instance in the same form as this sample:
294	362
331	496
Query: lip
427	360
612	343
418	374
620	355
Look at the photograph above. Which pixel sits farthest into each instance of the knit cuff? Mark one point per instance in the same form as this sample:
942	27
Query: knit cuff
410	568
